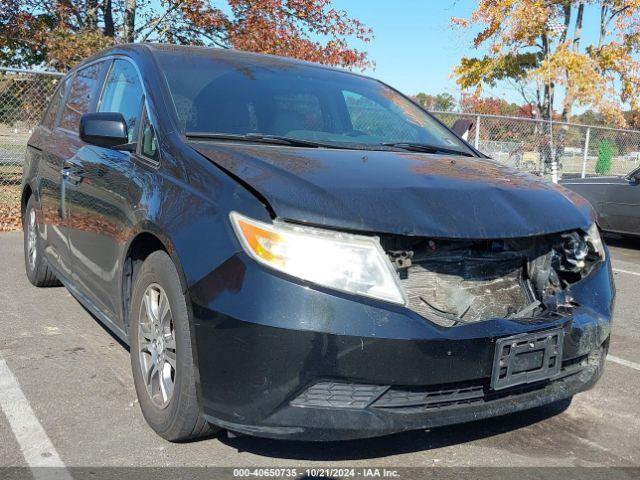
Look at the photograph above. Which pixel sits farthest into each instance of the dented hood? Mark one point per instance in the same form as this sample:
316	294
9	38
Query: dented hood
401	193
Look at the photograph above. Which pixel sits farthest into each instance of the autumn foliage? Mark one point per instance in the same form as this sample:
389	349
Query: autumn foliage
537	45
59	33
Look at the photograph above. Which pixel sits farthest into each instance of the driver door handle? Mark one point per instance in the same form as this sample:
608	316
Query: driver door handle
74	177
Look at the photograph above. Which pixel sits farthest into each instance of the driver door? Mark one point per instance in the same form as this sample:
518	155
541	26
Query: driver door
101	204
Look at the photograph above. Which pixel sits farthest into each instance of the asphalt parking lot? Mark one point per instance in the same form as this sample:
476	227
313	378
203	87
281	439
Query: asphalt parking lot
67	399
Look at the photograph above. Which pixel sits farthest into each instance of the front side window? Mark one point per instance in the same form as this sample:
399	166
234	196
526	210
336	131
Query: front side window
83	91
49	119
258	95
123	93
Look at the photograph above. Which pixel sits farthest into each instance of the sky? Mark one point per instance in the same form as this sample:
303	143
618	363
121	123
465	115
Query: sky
415	49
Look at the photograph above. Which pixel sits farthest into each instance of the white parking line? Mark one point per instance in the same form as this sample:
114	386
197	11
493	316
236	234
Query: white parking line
622	361
628	272
37	449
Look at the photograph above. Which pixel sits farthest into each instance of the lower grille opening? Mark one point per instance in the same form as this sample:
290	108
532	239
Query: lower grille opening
331	394
419	398
412	400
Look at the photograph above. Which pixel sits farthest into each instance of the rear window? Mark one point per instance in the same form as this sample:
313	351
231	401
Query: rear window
217	93
81	96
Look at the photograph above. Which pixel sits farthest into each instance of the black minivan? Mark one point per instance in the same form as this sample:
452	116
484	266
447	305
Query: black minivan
295	251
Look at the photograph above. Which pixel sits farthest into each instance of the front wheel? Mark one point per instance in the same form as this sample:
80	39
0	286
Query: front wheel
36	267
161	353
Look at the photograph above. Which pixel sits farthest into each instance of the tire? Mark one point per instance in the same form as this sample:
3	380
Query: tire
162	361
36	267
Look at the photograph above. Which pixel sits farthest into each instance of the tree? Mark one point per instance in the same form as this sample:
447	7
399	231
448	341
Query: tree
588	117
443	102
489	106
59	33
538	44
633	119
606	151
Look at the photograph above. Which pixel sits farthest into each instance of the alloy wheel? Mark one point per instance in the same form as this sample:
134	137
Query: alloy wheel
32	241
157	345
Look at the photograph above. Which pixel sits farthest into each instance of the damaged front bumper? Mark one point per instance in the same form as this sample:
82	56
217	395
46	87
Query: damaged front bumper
282	359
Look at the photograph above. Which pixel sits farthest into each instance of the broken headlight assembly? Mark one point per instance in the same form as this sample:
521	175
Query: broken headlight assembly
348	263
595	241
579	251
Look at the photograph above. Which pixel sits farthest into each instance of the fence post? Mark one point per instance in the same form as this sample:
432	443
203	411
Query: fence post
585	153
554	158
477	140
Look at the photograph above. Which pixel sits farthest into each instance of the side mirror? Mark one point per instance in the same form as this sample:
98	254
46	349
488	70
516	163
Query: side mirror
105	129
462	127
634	177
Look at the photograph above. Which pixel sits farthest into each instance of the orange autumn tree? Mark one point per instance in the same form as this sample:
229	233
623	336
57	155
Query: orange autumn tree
538	44
59	33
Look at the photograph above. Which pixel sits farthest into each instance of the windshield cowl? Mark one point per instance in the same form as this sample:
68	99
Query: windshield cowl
295	142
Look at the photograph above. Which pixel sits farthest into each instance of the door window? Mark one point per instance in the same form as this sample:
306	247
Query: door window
123	93
50	116
83	91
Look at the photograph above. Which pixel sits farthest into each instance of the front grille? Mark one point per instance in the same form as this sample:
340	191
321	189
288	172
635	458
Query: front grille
463	289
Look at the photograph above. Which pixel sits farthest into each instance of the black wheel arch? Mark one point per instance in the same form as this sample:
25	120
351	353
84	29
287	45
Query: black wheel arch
150	238
27	192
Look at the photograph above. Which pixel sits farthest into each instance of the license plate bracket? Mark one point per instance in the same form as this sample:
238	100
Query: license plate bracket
527	358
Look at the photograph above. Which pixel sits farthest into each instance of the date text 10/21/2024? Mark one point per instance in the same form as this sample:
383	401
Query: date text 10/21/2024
320	472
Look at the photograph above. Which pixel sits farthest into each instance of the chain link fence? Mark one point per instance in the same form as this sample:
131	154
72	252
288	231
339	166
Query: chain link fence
24	95
532	145
525	144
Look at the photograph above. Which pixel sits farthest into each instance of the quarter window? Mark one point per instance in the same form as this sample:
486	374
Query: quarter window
149	146
83	91
123	93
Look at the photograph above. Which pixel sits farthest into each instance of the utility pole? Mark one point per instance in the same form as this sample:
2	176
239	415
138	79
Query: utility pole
554	28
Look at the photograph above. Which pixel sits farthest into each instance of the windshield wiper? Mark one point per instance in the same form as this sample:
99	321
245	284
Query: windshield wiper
426	148
262	138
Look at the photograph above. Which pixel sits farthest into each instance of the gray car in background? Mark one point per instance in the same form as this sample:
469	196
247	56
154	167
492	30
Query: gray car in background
615	199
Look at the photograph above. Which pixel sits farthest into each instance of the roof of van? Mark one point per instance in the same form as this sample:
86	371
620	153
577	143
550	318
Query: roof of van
221	53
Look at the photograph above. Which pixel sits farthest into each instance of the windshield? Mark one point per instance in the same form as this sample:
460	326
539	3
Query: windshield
242	94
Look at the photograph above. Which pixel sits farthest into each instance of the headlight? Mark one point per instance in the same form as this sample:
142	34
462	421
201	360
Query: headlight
349	263
580	250
594	240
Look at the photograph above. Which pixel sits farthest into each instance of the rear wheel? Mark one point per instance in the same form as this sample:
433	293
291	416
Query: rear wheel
161	353
36	267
